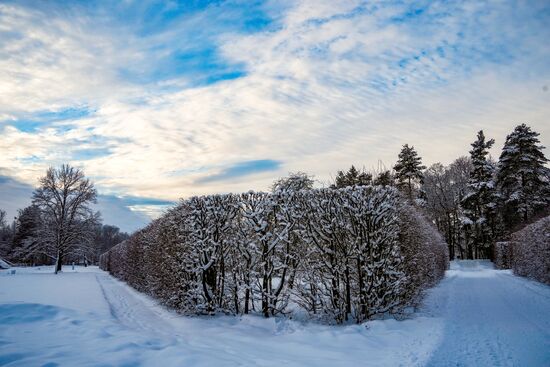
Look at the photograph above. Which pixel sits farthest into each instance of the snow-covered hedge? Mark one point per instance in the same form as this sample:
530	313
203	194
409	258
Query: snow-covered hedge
424	250
336	254
531	251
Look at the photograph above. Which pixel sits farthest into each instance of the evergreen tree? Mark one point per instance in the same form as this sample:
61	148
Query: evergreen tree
352	178
408	170
26	233
6	235
364	179
522	179
383	179
340	180
480	202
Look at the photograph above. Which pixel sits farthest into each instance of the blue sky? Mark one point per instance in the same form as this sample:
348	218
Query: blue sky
159	100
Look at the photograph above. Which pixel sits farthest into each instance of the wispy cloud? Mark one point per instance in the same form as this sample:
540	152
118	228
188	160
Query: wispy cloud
173	94
241	169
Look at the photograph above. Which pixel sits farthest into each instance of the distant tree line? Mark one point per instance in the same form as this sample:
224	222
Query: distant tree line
474	201
60	226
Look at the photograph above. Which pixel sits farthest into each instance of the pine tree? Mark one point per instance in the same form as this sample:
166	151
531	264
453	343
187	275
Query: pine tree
352	177
364	179
6	235
383	179
522	179
27	231
408	170
340	180
480	203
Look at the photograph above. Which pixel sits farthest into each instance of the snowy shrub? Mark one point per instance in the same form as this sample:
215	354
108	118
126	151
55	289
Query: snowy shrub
265	225
424	250
324	282
352	264
339	254
531	251
503	254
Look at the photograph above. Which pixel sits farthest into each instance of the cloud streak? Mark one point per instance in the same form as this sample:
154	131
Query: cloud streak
241	169
172	96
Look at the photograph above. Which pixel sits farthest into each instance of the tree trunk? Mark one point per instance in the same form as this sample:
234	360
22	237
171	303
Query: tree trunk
247	282
348	290
265	282
236	293
58	262
246	297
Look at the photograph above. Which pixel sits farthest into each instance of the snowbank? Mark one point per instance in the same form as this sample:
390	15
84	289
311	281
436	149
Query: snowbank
87	318
476	316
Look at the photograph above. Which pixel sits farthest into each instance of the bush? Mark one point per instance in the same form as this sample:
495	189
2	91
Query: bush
424	250
531	251
336	254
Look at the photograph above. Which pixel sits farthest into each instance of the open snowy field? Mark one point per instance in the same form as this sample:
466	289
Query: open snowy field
476	317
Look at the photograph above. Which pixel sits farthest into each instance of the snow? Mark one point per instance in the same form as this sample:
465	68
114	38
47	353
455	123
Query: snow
4	264
492	318
476	316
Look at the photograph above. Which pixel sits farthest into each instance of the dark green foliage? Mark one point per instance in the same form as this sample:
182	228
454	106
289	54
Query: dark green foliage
522	178
408	171
6	235
383	179
26	235
480	202
352	178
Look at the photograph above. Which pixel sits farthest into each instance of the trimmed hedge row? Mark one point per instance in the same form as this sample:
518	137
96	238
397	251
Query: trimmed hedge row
341	254
530	248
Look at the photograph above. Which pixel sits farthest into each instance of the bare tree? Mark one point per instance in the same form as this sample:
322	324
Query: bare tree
444	188
64	197
295	181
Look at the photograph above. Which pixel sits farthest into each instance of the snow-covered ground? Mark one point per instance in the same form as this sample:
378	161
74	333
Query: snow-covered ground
477	316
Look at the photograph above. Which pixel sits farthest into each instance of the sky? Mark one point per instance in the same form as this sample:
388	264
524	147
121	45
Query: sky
162	100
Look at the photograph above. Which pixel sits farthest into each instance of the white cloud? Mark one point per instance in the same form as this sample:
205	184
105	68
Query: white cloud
324	89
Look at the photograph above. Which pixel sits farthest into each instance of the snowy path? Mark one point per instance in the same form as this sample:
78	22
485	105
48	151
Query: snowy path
492	318
477	316
129	309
